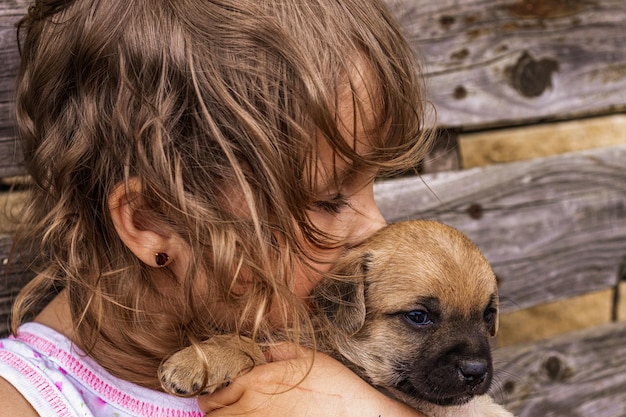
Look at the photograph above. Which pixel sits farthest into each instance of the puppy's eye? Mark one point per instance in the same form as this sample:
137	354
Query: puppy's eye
490	316
418	318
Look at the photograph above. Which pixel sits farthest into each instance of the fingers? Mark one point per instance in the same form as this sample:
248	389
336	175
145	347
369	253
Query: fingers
288	366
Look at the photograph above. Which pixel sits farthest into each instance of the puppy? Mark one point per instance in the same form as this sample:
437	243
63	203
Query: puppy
411	311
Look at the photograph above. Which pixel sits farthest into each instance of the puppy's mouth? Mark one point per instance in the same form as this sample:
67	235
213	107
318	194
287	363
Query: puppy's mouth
439	398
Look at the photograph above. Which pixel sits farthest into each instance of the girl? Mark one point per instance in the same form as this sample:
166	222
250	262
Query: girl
197	168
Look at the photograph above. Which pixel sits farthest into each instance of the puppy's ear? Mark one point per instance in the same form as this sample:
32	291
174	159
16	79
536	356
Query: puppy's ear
496	324
341	300
496	320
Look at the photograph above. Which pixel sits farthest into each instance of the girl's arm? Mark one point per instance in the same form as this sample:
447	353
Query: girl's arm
14	404
329	389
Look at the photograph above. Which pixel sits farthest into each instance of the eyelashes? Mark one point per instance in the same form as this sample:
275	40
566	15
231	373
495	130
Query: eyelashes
332	205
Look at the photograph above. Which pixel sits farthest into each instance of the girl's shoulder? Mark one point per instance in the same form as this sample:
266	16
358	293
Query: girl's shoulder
33	378
19	406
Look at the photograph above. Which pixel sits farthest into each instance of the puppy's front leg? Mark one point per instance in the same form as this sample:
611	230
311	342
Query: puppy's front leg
481	406
214	363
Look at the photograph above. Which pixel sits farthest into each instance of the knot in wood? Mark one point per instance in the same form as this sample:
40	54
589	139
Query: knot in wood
460	92
446	21
508	387
557	369
531	77
475	211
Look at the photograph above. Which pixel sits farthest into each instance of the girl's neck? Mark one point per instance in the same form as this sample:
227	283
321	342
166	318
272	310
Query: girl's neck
139	369
57	316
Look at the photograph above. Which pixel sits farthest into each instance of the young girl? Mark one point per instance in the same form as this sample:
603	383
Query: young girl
197	168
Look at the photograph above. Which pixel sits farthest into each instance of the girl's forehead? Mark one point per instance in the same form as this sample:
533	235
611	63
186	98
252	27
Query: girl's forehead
357	121
333	169
359	101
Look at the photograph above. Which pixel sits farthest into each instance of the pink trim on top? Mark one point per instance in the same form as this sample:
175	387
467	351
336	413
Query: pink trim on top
48	390
107	392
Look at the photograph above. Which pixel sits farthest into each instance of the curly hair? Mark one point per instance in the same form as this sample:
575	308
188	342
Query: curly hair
194	99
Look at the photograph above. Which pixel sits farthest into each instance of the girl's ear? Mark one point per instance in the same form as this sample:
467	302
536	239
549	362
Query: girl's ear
150	244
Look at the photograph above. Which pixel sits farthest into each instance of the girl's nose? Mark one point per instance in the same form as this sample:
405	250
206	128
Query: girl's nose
369	219
373	220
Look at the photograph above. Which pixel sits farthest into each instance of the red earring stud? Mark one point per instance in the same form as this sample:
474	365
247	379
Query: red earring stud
161	258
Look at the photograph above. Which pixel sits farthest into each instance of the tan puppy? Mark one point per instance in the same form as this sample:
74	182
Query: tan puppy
411	312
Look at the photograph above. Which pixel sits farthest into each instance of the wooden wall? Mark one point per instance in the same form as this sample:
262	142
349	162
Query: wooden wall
503	62
9	13
530	99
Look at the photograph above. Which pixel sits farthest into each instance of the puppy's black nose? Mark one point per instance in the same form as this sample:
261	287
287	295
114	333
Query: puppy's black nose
473	372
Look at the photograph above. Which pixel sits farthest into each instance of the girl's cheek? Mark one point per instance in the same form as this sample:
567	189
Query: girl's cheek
305	282
308	276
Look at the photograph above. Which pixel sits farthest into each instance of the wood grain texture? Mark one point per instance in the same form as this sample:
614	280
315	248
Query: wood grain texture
7	6
541	140
495	62
580	374
10	157
552	319
12	279
552	228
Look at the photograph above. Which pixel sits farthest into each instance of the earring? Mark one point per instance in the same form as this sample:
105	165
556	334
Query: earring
161	258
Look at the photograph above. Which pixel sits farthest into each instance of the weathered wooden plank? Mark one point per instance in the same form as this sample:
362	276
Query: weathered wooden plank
620	311
10	12
10	155
552	228
581	373
541	140
508	61
562	316
12	279
11	5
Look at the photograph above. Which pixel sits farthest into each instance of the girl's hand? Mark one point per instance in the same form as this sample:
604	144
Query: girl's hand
286	387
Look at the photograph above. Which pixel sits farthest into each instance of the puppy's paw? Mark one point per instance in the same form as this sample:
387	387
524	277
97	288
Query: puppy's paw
211	365
184	374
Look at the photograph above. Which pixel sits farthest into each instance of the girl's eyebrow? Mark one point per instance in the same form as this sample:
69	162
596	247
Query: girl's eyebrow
345	172
345	175
327	186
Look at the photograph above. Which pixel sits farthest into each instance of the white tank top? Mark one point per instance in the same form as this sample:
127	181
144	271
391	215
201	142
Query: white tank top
58	379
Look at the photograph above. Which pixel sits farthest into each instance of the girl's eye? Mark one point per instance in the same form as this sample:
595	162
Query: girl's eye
418	318
333	205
